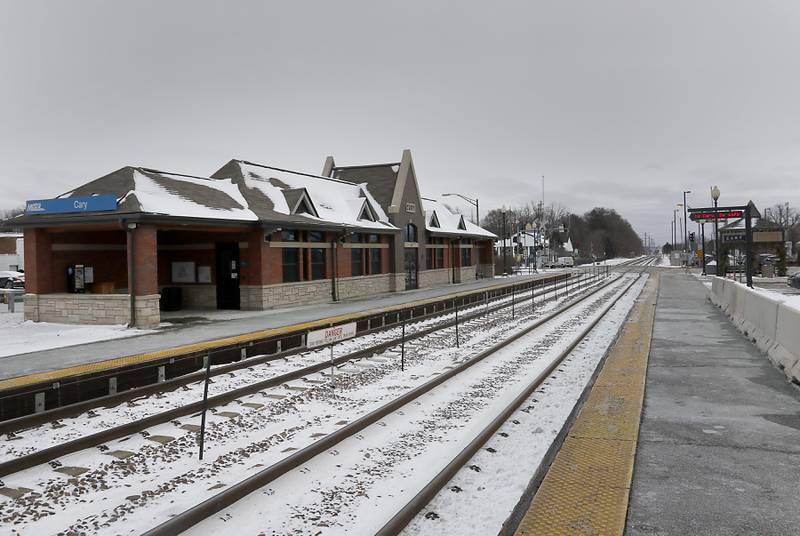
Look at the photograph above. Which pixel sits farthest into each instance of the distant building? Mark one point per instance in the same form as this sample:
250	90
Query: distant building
12	252
769	238
250	236
528	248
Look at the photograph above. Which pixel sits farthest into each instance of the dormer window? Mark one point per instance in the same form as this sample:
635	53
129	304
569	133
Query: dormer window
461	224
300	202
303	208
434	222
367	213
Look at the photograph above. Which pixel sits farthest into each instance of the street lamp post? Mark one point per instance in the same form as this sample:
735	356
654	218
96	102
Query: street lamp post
674	227
473	202
685	226
703	238
715	196
505	248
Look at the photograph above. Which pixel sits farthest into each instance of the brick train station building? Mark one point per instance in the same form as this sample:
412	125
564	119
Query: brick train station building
118	249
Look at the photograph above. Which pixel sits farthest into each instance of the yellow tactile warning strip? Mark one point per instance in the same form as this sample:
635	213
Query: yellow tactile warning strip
585	490
136	359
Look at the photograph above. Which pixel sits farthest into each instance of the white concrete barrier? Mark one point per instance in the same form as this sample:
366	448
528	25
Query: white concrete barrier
788	336
765	319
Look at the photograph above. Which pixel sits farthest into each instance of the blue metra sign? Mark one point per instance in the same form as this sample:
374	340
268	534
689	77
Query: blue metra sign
90	203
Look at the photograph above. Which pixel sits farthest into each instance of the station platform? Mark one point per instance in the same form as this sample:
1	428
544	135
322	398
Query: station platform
688	429
49	365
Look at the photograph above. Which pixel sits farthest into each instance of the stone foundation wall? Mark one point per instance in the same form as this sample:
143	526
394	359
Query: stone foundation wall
434	278
486	270
199	296
285	294
467	274
351	287
95	309
398	282
255	297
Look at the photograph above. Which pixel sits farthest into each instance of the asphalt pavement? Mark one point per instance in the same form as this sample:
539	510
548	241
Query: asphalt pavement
719	444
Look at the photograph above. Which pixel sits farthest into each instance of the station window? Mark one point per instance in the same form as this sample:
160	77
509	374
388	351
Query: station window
375	261
429	258
317	263
318	255
411	233
291	265
439	257
290	236
466	257
356	255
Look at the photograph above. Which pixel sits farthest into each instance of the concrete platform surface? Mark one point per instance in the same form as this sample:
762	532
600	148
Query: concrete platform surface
719	441
219	326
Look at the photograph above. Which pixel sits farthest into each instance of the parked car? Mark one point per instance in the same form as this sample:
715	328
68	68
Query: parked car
794	280
10	279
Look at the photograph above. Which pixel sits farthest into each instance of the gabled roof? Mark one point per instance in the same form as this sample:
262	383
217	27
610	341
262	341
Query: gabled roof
271	192
379	178
148	191
239	192
450	223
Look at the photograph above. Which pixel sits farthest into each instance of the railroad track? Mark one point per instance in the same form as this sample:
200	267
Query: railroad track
186	445
175	365
437	338
331	442
253	381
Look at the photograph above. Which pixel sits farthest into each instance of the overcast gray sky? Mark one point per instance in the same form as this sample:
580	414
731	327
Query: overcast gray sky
621	104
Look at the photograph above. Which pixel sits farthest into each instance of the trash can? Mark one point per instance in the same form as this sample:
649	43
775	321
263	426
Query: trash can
171	299
768	270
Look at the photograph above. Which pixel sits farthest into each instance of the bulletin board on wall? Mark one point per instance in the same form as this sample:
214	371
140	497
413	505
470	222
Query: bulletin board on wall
183	272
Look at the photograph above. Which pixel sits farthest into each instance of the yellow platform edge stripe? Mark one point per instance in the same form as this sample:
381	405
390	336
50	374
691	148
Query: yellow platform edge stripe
587	488
135	359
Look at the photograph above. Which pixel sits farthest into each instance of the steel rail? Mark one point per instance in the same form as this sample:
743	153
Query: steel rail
73	410
406	514
234	493
503	289
98	438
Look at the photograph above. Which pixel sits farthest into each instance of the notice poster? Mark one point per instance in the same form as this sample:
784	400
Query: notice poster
183	272
204	274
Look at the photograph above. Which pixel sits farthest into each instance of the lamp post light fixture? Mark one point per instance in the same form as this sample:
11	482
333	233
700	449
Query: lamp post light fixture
715	196
473	202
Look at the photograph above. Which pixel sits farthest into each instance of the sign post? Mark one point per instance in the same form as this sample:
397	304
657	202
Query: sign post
717	213
205	405
330	336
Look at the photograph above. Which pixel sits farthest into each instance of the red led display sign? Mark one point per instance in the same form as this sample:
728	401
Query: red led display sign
720	214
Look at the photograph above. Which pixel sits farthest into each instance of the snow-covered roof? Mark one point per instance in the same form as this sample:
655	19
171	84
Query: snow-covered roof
188	197
449	222
334	201
239	192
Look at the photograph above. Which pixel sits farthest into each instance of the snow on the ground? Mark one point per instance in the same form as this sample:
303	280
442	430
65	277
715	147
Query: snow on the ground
514	453
142	488
19	336
619	260
355	488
